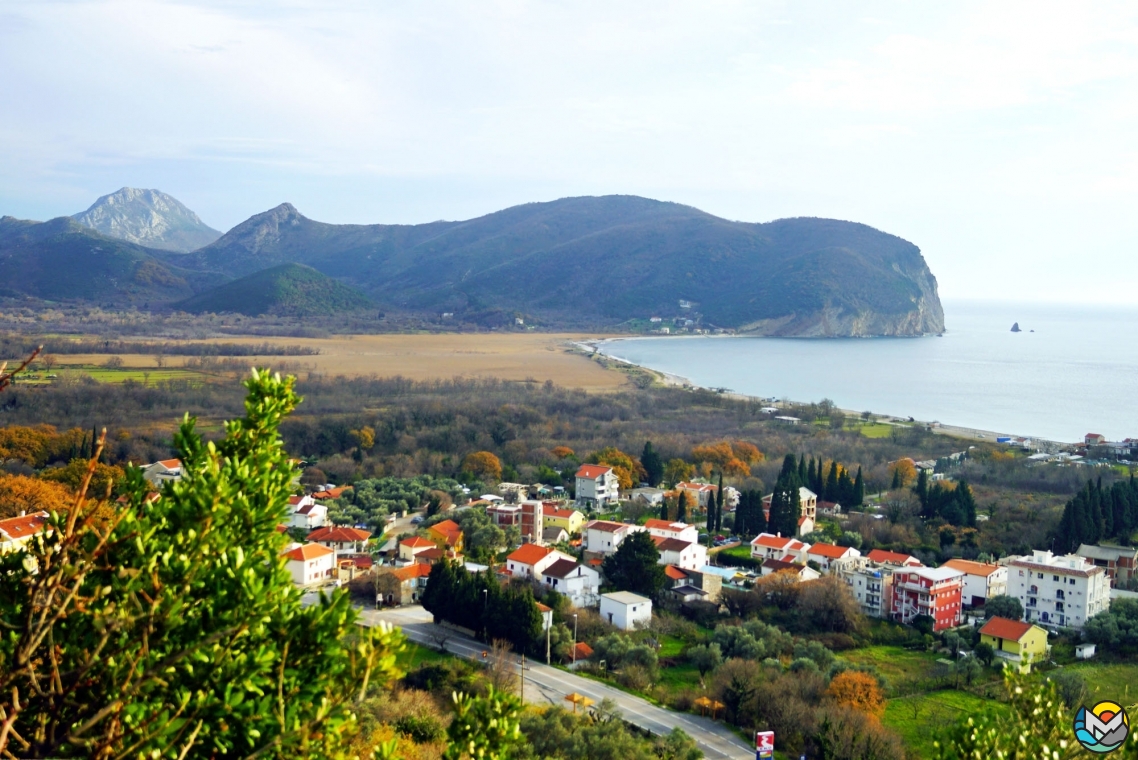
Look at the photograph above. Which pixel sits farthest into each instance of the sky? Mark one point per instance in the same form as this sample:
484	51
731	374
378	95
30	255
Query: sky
997	136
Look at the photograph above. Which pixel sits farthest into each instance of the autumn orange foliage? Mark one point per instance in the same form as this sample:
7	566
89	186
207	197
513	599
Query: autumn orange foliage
483	464
734	459
20	493
561	452
905	470
859	691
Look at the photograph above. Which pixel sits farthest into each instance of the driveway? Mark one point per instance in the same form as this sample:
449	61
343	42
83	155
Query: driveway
547	685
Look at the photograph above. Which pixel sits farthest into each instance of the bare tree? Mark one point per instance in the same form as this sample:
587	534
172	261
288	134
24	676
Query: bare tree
160	360
501	666
440	635
6	377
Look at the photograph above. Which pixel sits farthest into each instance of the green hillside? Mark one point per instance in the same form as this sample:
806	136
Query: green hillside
610	259
61	260
286	290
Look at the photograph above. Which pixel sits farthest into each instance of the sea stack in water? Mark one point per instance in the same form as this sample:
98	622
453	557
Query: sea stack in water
1015	327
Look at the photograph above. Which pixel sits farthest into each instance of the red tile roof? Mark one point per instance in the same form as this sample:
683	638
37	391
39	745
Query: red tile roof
593	471
170	464
671	544
562	568
542	608
282	529
666	525
307	552
339	534
674	573
329	493
584	651
774	542
697	486
430	555
828	550
410	572
605	526
308	509
779	565
563	514
887	557
414	541
448	530
529	554
972	568
15	528
1003	628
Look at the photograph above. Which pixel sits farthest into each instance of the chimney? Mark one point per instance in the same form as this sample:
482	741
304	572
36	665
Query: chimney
23	512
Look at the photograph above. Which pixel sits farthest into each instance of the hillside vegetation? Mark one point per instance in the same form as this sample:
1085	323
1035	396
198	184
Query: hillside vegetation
286	290
610	259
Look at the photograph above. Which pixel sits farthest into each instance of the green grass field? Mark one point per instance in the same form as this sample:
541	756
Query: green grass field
920	718
116	375
904	670
876	430
1116	681
414	655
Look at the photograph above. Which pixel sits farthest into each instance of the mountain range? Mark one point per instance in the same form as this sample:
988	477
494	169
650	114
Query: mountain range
148	217
575	261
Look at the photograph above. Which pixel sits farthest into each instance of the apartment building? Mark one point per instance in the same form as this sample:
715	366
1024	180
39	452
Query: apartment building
932	591
1058	591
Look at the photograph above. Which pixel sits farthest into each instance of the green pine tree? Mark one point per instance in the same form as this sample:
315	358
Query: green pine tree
830	493
859	490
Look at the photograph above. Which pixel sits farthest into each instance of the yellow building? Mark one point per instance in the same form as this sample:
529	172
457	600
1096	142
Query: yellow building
1019	643
569	519
446	535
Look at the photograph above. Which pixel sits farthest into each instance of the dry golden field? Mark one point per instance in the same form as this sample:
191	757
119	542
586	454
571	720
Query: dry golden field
510	356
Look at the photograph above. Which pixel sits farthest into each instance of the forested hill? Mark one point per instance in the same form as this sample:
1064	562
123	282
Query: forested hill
286	290
62	260
604	260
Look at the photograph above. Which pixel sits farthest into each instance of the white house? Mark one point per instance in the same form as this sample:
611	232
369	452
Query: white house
579	583
306	513
1058	591
163	471
597	485
701	492
626	610
530	560
668	529
310	564
15	532
604	536
652	497
340	538
686	555
827	554
982	581
803	572
412	545
769	546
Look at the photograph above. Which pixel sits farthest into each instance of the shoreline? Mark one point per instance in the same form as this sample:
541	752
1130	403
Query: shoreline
936	427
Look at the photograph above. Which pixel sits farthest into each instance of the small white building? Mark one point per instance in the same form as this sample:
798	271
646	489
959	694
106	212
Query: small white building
769	546
597	485
604	536
669	529
827	554
163	471
530	560
310	564
579	583
686	555
626	610
982	581
306	513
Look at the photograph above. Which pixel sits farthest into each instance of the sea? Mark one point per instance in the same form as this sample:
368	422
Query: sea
1072	370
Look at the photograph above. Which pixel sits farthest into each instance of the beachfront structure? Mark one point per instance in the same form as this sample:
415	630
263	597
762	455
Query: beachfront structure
597	486
982	580
1058	591
626	610
934	592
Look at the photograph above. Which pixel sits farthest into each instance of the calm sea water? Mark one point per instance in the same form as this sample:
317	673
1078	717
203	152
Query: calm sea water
1076	373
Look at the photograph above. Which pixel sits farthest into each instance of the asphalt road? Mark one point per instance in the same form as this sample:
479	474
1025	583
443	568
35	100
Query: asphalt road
547	685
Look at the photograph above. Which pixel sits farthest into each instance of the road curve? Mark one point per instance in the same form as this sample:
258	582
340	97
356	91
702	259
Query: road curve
547	685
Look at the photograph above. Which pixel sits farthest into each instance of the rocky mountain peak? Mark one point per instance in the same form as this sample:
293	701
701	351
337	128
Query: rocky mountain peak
148	217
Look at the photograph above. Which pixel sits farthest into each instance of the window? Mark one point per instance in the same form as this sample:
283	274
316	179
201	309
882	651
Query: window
1040	576
1055	577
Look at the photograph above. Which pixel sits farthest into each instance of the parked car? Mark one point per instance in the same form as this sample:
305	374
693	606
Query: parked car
416	519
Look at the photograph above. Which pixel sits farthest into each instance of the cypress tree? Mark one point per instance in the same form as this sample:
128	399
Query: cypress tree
802	471
845	488
896	480
810	475
859	490
967	503
682	513
653	465
831	490
818	484
921	489
789	467
664	508
711	513
742	511
719	505
758	519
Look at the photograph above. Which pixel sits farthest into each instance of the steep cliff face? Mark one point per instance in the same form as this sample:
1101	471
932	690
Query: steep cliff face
149	218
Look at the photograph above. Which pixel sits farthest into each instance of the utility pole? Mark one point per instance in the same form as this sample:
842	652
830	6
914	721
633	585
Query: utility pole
522	689
574	638
547	630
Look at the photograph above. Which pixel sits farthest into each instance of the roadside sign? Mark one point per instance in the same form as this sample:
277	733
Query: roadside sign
764	745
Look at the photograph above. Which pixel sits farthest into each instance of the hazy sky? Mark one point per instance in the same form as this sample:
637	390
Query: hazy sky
1000	137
